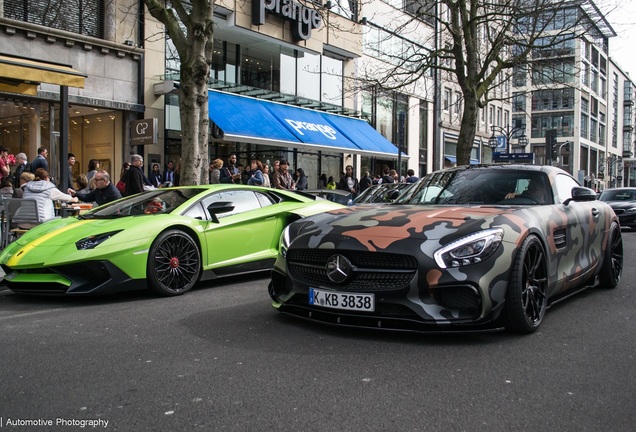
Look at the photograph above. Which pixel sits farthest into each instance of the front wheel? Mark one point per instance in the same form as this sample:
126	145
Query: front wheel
174	263
613	260
526	299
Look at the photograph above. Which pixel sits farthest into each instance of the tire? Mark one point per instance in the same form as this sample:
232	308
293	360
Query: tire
526	299
174	263
612	267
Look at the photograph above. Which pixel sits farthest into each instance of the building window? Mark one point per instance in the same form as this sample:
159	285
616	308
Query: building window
85	17
447	99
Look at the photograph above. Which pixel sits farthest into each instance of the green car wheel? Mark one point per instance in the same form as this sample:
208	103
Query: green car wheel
174	263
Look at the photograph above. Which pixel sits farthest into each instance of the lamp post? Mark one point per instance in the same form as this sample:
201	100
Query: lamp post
507	132
612	161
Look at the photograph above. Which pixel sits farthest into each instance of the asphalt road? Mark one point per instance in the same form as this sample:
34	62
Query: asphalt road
221	359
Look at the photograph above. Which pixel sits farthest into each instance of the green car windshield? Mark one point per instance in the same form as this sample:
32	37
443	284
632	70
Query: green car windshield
147	203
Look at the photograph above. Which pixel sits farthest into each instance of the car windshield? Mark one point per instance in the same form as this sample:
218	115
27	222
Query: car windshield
147	203
481	186
618	195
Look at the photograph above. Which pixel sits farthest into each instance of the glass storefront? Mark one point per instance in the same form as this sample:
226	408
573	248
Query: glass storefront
25	125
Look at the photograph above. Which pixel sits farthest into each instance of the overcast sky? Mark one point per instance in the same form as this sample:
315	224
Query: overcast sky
621	15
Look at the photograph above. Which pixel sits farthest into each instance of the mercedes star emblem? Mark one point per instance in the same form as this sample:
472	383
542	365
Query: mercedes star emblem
338	268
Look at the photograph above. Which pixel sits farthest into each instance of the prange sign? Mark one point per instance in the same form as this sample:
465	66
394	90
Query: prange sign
299	126
303	19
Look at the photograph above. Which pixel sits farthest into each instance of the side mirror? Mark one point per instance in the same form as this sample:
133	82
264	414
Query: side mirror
220	207
580	193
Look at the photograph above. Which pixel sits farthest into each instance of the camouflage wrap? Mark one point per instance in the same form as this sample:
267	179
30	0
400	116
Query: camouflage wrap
392	249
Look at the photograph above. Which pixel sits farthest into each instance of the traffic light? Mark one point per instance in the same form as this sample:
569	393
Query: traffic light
551	148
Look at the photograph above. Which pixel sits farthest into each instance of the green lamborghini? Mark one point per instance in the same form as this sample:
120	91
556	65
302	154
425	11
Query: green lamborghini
166	240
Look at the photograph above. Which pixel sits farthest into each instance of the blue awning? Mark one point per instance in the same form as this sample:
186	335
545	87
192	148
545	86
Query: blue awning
453	160
258	121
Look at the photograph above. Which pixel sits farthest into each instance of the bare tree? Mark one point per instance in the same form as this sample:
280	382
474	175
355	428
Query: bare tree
476	42
189	24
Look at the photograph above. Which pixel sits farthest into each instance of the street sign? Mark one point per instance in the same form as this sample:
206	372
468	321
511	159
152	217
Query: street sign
513	157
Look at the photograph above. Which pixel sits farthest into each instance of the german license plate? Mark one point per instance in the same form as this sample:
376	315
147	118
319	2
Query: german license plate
341	300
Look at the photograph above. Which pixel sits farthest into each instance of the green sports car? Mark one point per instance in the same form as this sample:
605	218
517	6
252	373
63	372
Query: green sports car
165	240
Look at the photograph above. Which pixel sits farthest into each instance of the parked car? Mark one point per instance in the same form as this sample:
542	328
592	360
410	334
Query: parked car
381	193
623	201
470	248
166	240
335	195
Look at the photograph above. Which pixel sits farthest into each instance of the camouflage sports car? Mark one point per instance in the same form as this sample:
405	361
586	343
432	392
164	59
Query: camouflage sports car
472	248
165	240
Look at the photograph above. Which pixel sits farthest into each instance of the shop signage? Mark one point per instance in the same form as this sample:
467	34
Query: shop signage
299	126
302	19
143	131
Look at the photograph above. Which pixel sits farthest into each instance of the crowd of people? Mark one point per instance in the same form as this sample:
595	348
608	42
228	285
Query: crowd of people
32	179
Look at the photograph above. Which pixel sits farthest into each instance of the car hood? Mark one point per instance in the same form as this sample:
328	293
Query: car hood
621	204
367	224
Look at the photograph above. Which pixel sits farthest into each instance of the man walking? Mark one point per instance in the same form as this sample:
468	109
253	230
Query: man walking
135	176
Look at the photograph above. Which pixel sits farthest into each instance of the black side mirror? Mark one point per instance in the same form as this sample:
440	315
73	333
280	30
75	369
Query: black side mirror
220	207
580	193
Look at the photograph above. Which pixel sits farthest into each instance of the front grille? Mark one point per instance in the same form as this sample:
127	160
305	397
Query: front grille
372	271
458	297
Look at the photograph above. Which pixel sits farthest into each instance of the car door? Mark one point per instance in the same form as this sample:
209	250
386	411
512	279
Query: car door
579	239
246	235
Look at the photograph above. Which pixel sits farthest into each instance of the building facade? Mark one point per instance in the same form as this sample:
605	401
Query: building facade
99	40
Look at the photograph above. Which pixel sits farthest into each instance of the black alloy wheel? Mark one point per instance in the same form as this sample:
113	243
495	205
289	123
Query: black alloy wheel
613	260
526	299
174	263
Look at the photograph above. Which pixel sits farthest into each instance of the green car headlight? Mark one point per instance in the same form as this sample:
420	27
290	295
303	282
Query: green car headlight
469	250
92	242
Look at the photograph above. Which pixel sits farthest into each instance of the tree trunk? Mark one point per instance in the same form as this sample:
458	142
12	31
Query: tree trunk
467	130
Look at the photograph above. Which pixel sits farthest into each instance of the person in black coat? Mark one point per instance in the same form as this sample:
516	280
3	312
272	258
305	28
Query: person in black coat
349	183
103	193
135	176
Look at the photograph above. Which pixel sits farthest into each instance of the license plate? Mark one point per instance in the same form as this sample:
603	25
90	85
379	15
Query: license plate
341	300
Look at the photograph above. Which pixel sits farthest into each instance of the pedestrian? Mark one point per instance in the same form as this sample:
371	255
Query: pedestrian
121	184
331	183
4	163
266	176
365	181
322	181
215	171
21	165
169	175
103	193
69	180
40	160
44	192
412	178
387	177
155	178
135	176
349	183
230	173
301	179
282	178
256	173
93	166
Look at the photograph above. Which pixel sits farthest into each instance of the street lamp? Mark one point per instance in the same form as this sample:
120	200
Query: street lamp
612	161
508	132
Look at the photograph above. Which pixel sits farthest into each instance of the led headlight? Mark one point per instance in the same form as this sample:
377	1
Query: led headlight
469	250
92	242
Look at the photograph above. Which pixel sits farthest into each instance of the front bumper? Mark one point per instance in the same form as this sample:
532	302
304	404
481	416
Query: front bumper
84	278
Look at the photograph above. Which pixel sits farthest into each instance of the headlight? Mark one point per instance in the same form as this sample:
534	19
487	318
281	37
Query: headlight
94	241
469	250
630	210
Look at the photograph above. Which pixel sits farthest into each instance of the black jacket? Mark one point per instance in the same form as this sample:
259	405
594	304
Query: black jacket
134	181
100	196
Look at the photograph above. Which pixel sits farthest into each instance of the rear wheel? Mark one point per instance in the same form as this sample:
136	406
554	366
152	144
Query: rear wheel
174	263
526	299
613	260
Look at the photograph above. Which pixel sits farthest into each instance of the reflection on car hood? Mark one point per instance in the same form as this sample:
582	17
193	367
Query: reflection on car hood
621	204
393	221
